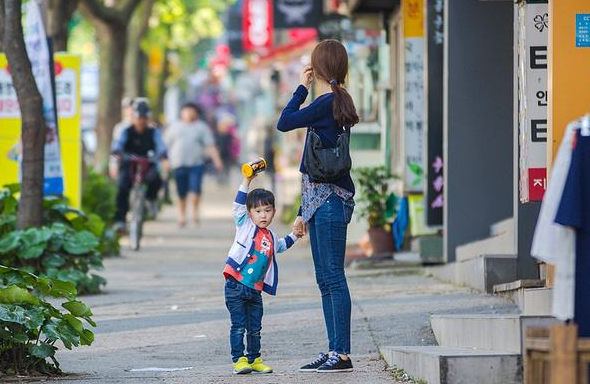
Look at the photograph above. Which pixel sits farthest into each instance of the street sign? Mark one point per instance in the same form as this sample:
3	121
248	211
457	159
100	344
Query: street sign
413	14
41	60
257	25
434	130
67	84
533	25
583	30
297	13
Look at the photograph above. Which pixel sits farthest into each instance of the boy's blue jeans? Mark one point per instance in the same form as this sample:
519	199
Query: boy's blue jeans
327	235
245	309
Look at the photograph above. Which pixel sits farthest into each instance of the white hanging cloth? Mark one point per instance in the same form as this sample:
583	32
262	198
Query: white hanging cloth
554	243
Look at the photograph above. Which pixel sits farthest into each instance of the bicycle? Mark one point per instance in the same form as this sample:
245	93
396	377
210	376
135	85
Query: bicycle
139	166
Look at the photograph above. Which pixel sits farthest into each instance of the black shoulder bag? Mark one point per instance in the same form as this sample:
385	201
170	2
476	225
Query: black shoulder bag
327	164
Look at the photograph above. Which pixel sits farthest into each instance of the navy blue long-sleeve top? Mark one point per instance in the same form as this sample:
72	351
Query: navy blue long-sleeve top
319	116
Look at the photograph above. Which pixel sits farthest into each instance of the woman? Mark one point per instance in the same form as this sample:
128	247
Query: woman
326	208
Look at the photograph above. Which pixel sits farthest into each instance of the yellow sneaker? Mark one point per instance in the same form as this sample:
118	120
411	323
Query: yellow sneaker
242	366
259	367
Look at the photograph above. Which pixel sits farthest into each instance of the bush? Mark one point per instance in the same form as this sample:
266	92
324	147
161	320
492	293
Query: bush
98	197
290	213
30	326
66	249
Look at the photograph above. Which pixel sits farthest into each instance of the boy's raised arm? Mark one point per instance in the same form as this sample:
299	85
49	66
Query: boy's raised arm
240	212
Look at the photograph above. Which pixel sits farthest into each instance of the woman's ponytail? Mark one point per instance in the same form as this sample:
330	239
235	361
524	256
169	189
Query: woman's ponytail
343	107
329	62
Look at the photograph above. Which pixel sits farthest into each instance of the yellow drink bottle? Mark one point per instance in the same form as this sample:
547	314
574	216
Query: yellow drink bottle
254	167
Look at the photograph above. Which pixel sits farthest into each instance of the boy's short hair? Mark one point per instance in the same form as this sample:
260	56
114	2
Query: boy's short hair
259	197
192	106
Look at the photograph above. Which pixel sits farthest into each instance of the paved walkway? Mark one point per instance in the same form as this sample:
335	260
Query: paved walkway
163	307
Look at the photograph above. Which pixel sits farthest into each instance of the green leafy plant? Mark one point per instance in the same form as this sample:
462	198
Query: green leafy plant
375	201
98	197
66	249
290	213
30	325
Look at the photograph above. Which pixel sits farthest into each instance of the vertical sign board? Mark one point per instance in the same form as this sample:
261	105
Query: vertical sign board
41	59
233	28
67	87
413	20
583	30
434	86
532	89
257	25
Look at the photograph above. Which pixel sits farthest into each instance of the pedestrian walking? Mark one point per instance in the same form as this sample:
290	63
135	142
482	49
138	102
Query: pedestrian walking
225	138
251	268
190	142
327	206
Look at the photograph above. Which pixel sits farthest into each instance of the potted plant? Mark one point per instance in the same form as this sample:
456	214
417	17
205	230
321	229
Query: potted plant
375	202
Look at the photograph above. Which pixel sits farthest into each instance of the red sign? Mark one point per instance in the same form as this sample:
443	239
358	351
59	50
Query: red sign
537	183
257	25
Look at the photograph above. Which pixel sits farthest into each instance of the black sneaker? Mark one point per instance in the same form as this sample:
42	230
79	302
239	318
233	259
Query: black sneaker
336	364
314	365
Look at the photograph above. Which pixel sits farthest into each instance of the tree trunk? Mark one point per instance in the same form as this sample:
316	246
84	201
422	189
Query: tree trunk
112	42
30	210
59	15
159	107
134	74
111	24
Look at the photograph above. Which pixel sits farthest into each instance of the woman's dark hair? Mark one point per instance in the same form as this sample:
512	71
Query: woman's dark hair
259	197
329	62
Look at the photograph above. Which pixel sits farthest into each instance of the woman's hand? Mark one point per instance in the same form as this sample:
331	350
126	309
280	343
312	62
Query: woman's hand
299	228
306	76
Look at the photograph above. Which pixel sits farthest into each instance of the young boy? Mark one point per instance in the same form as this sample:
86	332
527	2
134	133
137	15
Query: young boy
251	268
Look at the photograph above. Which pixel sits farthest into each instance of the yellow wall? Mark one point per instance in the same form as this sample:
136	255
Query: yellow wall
568	68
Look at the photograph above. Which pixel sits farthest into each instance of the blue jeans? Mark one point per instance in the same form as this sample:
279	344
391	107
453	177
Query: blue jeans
327	234
245	310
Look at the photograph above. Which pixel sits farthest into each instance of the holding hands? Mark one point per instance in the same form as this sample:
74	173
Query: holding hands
299	227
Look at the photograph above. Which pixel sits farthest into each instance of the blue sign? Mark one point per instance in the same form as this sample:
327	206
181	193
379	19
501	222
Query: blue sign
583	30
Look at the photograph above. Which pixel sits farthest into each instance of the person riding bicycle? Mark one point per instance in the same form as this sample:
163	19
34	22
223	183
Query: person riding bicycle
139	139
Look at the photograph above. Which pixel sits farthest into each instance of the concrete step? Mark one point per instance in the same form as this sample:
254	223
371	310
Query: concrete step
502	244
443	272
514	291
504	226
531	296
441	365
485	271
481	273
537	301
503	332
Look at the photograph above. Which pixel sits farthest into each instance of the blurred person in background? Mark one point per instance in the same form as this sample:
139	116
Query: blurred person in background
227	144
190	143
139	139
127	118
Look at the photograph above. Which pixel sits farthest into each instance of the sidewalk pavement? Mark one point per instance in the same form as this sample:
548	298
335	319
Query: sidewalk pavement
163	307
